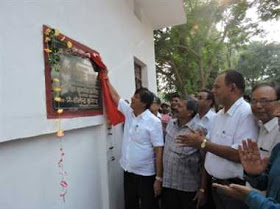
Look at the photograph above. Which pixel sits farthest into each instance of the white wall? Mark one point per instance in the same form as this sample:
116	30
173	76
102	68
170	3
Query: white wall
29	171
108	26
29	150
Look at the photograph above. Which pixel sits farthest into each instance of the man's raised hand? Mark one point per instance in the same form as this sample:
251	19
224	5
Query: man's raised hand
251	159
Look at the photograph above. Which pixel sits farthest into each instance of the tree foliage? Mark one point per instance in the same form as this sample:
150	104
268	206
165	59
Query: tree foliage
189	56
260	62
268	9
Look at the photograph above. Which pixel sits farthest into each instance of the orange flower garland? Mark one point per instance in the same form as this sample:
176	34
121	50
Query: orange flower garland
53	56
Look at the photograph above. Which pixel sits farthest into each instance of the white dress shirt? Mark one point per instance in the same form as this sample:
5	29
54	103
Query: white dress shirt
206	121
269	136
230	129
141	135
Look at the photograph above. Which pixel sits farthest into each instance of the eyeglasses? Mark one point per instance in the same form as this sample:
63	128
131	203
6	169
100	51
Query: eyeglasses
262	101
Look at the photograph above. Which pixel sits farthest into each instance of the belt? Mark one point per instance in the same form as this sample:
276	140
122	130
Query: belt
228	181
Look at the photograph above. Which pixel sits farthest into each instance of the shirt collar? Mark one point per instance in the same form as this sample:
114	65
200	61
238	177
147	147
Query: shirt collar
270	125
145	115
158	115
188	124
207	115
233	107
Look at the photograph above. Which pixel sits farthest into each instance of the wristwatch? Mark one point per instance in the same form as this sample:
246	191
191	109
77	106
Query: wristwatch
158	178
203	144
202	190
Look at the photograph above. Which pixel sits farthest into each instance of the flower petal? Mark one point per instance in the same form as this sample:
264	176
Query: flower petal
47	31
60	133
57	99
47	50
69	44
57	89
47	39
56	33
59	111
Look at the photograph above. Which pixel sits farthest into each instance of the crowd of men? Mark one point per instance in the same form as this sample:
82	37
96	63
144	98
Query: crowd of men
190	156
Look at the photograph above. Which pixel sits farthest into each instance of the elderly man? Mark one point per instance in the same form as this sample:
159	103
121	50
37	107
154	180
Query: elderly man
264	97
181	165
142	147
232	124
262	173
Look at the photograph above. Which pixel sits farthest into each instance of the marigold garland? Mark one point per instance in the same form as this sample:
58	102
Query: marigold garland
52	52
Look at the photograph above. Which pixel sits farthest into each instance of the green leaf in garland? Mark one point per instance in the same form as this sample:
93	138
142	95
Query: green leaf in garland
52	32
55	50
57	58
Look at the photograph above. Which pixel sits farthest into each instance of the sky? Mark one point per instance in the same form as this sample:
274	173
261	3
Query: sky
271	28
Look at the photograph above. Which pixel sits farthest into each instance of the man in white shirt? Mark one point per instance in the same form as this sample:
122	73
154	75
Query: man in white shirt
205	116
264	98
234	123
142	149
204	120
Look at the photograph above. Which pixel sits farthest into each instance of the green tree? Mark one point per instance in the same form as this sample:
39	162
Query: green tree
268	9
189	56
260	62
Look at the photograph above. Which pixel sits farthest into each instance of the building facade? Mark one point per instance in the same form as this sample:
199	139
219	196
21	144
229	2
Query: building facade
122	32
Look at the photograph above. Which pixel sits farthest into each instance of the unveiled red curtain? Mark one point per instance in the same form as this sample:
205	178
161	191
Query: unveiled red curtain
115	117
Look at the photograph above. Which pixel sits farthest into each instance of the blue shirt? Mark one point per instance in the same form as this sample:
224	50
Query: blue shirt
269	180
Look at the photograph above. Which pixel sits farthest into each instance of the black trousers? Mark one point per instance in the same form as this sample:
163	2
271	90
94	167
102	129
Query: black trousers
223	201
139	191
175	199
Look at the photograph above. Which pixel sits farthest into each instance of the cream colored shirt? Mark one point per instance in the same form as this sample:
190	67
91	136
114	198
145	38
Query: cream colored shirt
269	136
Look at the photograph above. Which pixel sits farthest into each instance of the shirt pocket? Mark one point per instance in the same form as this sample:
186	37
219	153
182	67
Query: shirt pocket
194	163
140	134
223	138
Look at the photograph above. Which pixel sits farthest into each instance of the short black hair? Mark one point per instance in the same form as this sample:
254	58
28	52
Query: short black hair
210	96
235	77
164	104
146	96
265	84
175	95
157	100
247	98
191	104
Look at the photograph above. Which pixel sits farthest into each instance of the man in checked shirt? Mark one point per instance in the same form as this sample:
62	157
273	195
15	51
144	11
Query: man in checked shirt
181	165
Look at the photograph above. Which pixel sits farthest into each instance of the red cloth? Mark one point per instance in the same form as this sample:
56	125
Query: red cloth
114	115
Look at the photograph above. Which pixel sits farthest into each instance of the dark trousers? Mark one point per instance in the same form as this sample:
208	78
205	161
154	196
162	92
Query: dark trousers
223	201
175	199
139	191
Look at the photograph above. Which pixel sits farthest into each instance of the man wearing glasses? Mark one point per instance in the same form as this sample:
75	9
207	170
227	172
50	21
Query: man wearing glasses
231	125
263	103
